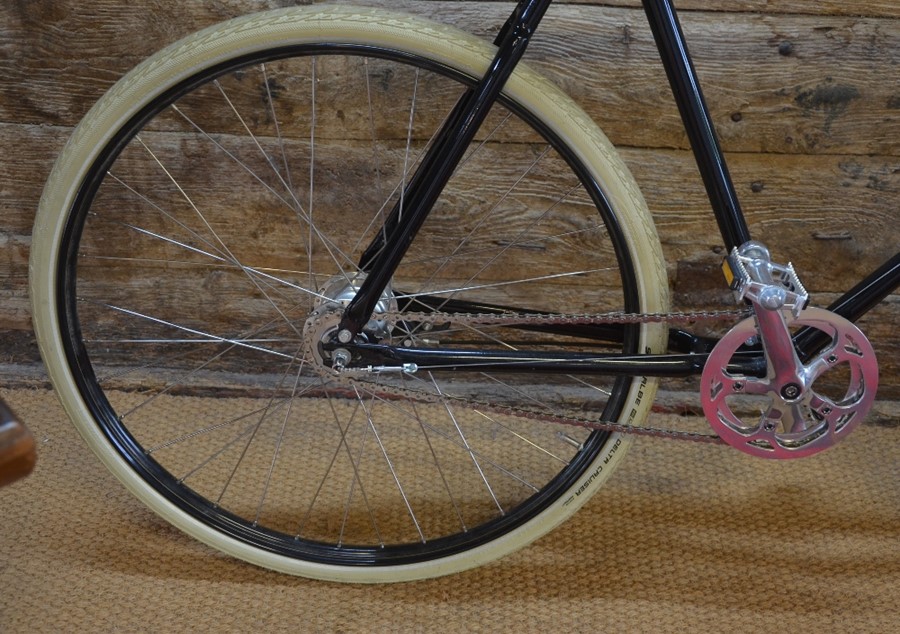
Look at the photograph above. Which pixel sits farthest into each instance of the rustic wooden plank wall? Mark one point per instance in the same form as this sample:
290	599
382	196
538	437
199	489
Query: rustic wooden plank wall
806	94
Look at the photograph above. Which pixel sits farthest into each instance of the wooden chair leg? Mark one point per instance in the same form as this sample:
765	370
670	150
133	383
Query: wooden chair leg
17	449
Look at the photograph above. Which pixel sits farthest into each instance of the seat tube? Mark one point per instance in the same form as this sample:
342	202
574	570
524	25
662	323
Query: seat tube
697	122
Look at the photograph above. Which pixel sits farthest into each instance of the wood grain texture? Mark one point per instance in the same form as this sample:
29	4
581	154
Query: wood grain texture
805	94
881	8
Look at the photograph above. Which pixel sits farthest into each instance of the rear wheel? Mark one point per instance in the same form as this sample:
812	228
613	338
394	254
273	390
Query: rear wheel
206	222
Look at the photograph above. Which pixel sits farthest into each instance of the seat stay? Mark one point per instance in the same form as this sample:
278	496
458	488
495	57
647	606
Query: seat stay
383	256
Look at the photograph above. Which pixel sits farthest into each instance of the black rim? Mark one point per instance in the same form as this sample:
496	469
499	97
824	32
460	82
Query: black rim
203	510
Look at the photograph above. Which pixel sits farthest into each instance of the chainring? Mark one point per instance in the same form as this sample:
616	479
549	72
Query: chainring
818	417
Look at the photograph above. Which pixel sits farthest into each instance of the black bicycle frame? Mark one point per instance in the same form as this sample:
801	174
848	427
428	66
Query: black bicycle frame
383	256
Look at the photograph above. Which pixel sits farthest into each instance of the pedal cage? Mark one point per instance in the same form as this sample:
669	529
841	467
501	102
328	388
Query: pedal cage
754	277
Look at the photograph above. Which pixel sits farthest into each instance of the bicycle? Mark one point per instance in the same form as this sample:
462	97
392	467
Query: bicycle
309	334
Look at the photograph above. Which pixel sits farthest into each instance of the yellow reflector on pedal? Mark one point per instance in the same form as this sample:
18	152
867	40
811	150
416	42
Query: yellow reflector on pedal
729	274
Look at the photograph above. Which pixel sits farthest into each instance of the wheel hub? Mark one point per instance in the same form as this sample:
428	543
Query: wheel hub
322	325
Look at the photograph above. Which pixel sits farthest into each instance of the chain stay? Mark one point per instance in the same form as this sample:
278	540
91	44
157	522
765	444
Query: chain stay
354	377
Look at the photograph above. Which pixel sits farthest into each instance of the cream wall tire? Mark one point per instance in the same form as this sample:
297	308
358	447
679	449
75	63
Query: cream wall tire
57	254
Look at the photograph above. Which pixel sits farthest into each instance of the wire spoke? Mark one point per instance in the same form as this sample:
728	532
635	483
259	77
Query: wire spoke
205	336
390	464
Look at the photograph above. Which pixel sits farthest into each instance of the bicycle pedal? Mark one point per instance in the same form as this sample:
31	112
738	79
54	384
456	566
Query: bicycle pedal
753	277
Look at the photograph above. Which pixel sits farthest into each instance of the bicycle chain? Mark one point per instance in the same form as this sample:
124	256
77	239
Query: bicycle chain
351	376
519	319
